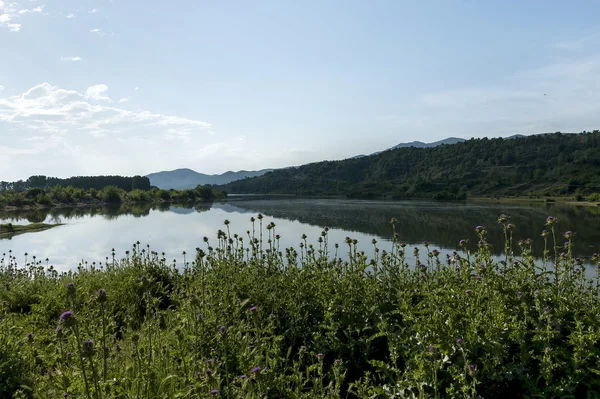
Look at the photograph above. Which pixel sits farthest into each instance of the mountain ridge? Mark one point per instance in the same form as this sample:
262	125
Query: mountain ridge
186	178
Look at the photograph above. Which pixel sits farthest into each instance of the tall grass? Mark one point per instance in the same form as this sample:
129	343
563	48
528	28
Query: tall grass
245	318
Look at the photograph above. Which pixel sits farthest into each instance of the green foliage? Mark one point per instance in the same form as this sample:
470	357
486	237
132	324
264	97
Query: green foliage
556	163
316	326
65	196
80	182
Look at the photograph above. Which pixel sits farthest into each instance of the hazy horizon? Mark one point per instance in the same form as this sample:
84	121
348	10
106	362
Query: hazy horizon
106	87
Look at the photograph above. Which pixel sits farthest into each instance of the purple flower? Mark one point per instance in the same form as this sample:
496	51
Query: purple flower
519	293
214	392
30	337
462	243
546	309
550	220
257	370
431	348
478	277
68	318
320	355
568	235
223	329
242	377
253	309
209	361
459	341
479	229
70	289
468	292
209	372
303	348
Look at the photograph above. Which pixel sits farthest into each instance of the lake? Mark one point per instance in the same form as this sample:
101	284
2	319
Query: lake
89	234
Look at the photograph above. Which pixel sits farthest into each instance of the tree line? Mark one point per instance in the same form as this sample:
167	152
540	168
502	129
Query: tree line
81	182
545	164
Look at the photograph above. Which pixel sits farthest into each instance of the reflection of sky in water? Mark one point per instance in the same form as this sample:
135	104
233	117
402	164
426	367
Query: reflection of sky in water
91	238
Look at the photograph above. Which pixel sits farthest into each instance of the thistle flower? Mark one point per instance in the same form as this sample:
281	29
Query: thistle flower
70	289
546	309
209	372
550	221
568	235
68	318
462	243
223	329
30	337
214	392
479	229
242	377
519	293
253	309
468	292
459	341
431	348
320	355
88	348
545	233
257	370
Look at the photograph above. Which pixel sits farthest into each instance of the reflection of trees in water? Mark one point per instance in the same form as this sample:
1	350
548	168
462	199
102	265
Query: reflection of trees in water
111	212
443	225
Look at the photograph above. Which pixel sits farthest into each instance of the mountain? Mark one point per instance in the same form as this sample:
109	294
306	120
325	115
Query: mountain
546	164
416	144
181	179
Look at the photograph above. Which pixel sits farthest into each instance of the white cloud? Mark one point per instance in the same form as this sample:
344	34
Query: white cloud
1	88
70	58
136	89
38	9
123	100
81	129
93	11
96	92
9	13
70	16
97	31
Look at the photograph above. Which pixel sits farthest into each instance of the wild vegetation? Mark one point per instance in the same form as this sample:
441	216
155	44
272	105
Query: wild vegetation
68	196
539	165
81	182
244	318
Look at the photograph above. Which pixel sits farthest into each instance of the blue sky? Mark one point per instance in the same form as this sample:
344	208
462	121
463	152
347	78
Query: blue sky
133	87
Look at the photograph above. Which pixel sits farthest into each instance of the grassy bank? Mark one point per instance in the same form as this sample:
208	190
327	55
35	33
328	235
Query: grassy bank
8	230
247	319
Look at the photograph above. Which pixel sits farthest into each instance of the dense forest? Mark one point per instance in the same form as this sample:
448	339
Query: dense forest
58	196
546	164
82	182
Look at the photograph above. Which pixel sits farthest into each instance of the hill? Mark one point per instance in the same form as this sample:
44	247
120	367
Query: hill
417	144
181	179
540	164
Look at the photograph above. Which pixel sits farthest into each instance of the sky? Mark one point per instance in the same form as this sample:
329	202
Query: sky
127	87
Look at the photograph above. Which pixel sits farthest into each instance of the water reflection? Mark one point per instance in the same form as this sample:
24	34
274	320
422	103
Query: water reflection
90	233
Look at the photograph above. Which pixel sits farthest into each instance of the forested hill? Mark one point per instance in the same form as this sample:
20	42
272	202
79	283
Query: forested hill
540	164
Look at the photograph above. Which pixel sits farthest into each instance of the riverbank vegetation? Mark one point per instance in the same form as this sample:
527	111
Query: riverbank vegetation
540	165
58	196
244	318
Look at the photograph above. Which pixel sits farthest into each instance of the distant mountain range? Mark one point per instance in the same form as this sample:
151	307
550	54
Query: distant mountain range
418	144
182	179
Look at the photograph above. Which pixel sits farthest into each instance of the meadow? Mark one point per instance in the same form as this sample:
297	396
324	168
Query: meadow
244	318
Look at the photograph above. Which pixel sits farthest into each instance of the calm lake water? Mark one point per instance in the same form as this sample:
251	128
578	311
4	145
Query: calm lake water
90	234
